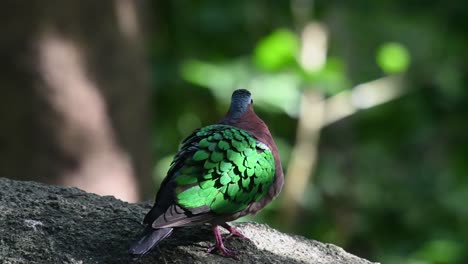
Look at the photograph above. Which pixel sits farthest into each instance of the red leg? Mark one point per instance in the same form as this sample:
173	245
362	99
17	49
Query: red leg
220	245
234	232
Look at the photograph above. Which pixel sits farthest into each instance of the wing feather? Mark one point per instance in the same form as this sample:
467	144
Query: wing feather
218	170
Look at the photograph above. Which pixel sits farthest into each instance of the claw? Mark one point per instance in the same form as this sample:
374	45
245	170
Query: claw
220	245
226	252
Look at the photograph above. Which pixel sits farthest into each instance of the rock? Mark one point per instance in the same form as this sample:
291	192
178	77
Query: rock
50	224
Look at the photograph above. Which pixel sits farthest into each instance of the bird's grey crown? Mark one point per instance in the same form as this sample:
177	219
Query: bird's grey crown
240	102
241	92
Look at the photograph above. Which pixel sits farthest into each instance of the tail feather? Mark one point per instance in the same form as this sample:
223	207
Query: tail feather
148	239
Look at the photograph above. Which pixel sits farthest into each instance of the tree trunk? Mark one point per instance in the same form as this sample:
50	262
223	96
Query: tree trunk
75	95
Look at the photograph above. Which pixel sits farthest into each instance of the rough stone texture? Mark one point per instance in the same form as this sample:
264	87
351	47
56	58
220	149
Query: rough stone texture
49	224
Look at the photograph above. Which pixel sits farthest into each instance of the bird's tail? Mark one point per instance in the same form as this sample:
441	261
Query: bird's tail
148	239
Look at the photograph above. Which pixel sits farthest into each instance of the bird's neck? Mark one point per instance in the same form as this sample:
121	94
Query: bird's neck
250	122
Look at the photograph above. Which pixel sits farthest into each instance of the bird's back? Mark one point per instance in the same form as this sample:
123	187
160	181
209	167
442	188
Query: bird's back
219	171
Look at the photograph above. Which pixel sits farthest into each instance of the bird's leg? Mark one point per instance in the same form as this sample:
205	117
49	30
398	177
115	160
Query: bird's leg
220	245
234	232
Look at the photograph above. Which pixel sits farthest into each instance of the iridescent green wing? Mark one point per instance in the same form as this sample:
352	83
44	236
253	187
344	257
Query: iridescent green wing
228	170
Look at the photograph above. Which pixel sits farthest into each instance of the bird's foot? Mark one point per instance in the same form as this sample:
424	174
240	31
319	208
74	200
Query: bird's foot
234	232
220	245
226	251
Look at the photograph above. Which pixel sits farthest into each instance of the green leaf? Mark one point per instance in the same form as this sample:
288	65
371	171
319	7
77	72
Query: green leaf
277	50
393	57
441	251
207	74
331	78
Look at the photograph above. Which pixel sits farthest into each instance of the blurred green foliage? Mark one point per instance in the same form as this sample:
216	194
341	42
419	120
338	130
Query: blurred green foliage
393	58
276	50
391	183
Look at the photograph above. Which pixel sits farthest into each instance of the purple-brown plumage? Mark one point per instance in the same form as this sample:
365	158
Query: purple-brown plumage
167	212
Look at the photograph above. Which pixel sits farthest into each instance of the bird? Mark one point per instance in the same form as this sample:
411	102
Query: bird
220	173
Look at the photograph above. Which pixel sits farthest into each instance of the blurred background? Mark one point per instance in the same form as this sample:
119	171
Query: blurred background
364	98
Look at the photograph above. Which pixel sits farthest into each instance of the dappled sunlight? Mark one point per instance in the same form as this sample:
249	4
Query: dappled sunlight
366	99
313	53
366	102
277	92
310	121
318	94
303	156
363	96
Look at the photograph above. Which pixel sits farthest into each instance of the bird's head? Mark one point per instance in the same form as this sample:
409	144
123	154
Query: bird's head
241	101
